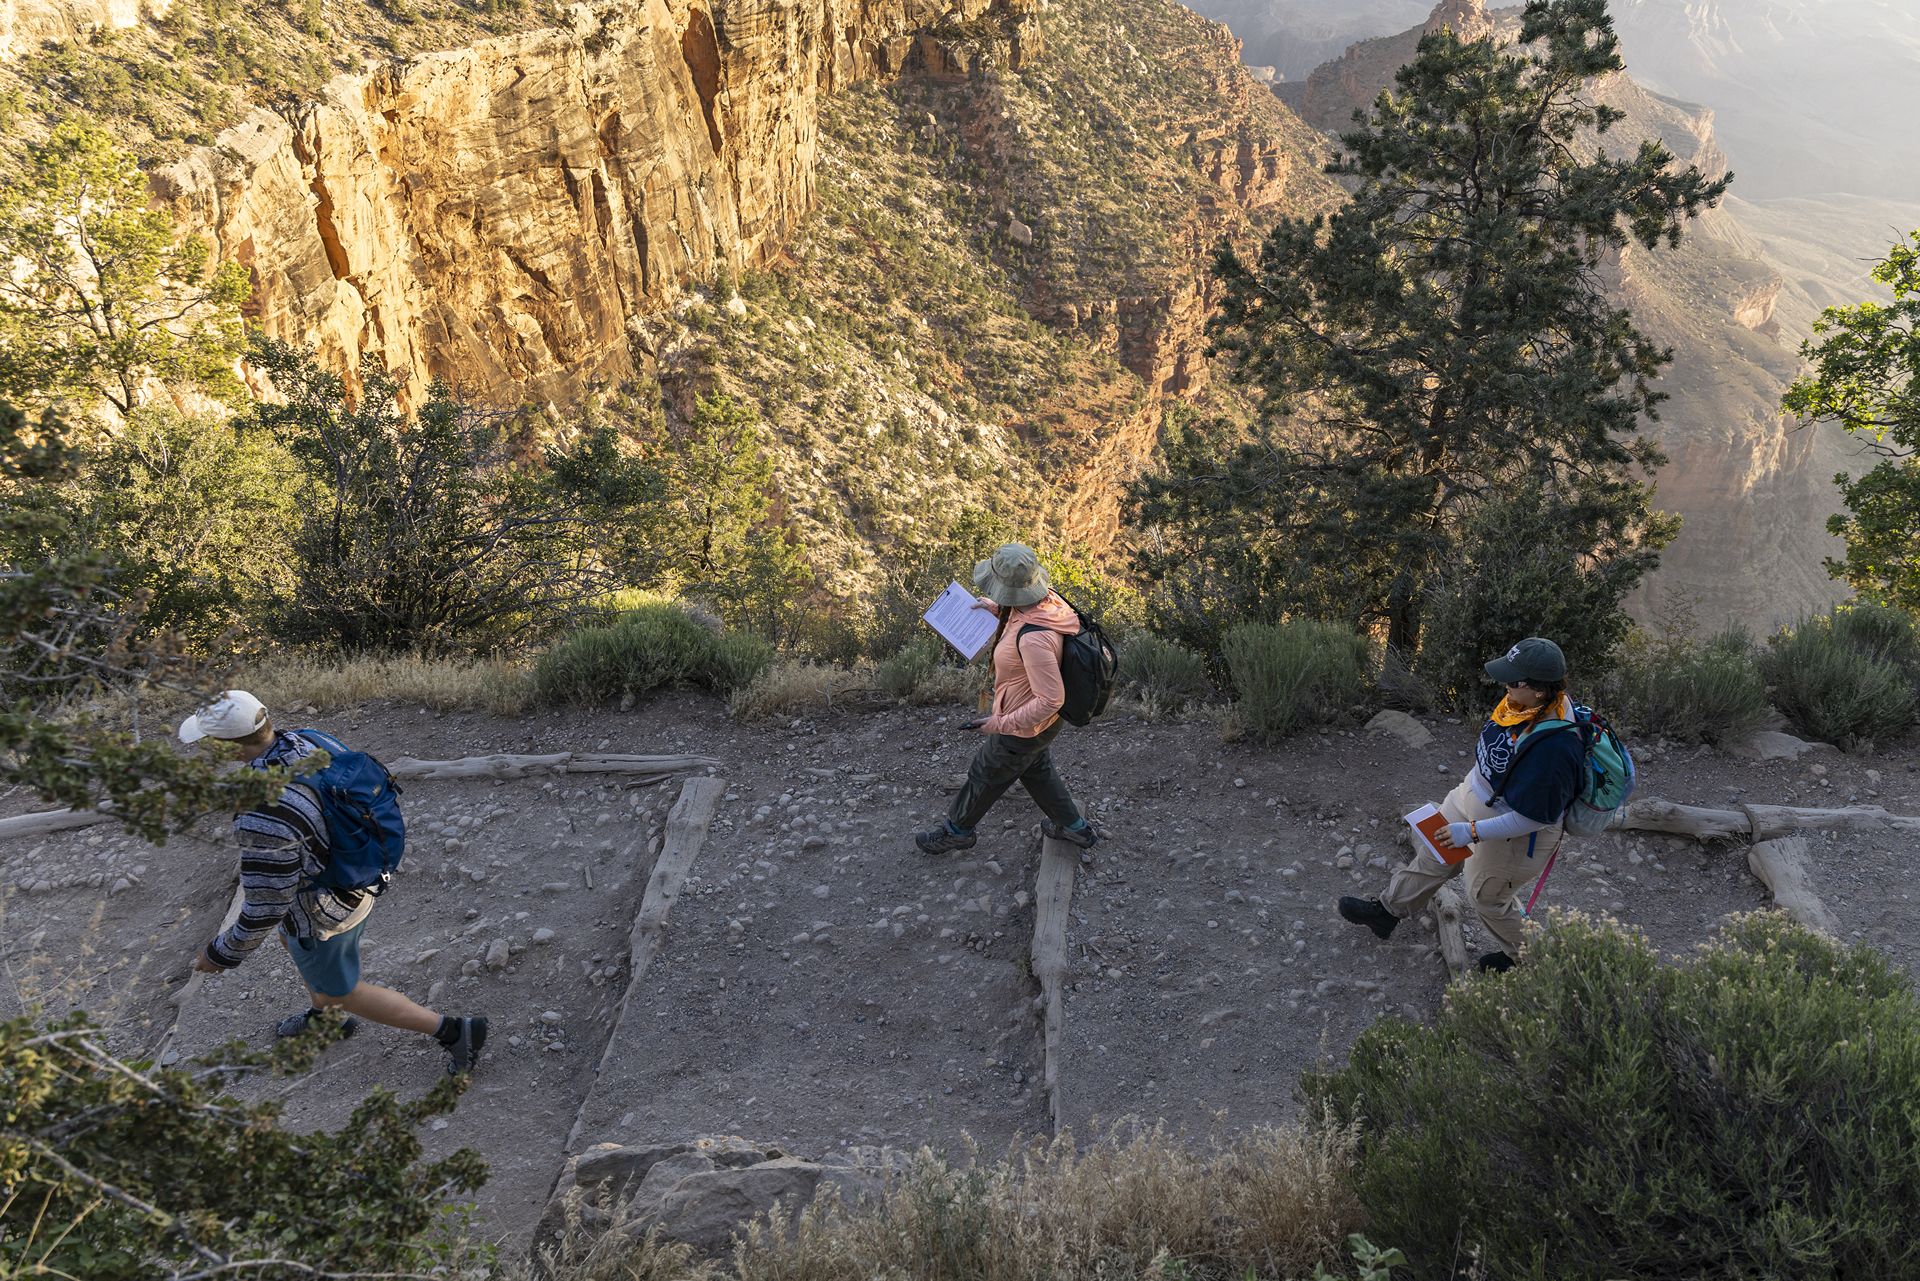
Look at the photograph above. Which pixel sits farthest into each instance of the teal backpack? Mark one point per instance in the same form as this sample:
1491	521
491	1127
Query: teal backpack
1608	767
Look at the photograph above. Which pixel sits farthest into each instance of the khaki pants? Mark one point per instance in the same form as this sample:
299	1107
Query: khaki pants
1499	873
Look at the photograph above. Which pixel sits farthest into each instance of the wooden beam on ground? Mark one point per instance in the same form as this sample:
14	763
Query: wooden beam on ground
1053	899
649	768
644	769
1781	866
1448	911
687	825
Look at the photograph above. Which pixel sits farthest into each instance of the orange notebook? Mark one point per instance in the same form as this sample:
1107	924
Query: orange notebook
1427	823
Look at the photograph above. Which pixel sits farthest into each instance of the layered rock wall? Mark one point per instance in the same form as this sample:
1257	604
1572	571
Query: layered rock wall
504	217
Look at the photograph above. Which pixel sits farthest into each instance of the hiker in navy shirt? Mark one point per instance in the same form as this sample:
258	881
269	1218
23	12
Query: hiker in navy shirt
284	847
1507	811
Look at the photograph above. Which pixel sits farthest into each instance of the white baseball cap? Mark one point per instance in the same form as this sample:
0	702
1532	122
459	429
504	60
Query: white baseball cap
235	714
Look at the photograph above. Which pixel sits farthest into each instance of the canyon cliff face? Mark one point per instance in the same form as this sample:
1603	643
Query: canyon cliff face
505	217
1754	491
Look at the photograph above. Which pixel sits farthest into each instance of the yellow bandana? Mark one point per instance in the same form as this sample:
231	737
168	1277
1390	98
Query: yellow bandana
1509	715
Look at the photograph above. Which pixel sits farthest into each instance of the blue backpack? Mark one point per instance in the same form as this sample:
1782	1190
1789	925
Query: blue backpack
1609	775
366	834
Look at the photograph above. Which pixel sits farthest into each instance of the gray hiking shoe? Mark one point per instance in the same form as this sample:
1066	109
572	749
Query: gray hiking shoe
1085	838
944	840
464	1052
295	1024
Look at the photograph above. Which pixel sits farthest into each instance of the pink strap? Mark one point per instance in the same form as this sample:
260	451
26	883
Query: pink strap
1541	884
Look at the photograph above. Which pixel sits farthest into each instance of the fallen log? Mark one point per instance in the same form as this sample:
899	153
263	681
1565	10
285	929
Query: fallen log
1448	911
1053	896
1782	867
644	769
1682	820
1756	822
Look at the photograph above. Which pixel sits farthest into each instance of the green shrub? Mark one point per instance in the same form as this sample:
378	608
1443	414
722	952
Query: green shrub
923	672
1881	632
737	658
1752	1111
648	648
1834	692
1691	693
1165	677
1289	675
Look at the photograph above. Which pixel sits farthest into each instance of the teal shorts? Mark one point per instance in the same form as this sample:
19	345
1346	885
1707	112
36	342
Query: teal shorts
330	967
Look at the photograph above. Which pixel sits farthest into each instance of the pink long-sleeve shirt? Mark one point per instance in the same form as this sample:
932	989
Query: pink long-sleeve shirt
1027	690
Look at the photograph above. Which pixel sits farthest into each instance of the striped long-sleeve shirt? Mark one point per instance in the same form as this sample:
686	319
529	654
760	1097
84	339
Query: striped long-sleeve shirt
283	848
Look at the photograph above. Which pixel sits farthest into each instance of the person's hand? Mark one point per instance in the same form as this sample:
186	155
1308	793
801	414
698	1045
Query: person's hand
1455	836
974	724
981	602
203	963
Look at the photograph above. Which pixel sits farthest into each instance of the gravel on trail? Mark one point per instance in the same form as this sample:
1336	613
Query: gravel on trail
823	983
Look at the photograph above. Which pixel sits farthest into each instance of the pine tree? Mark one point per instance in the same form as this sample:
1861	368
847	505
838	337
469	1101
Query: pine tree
1442	340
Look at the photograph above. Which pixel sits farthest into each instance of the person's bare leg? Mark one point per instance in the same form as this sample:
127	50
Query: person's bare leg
382	1005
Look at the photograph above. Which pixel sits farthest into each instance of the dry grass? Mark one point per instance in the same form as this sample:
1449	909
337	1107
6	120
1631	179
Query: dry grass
1272	1203
447	685
792	689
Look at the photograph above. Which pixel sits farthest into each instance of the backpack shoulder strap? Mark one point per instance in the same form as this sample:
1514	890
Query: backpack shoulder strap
1544	730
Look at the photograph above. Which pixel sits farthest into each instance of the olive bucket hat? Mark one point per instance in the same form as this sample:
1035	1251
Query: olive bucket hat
1012	577
1535	659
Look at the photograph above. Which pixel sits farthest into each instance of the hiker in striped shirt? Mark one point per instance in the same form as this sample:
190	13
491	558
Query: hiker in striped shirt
283	851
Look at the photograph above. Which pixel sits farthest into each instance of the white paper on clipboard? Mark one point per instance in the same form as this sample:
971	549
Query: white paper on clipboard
961	625
1420	841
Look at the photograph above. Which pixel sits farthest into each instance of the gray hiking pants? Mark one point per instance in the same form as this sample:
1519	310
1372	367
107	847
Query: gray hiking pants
1003	761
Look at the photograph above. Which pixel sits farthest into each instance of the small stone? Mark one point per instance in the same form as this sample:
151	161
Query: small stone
477	875
549	1016
1344	861
426	956
1239	782
823	891
557	887
120	886
497	953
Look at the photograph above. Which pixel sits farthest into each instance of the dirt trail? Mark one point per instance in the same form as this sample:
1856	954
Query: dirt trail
822	983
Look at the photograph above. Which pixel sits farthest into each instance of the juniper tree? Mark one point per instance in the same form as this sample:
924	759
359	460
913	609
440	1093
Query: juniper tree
1443	339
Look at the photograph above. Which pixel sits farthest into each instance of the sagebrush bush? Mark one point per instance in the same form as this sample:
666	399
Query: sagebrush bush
1164	676
1138	1204
1752	1111
655	645
1881	632
1290	675
1691	693
1831	688
923	672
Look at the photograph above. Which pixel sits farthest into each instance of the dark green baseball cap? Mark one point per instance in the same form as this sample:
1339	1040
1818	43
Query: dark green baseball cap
1535	659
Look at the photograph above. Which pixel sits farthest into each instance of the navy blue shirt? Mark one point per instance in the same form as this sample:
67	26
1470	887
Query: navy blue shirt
1548	774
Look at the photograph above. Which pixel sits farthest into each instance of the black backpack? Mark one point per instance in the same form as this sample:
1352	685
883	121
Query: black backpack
1089	666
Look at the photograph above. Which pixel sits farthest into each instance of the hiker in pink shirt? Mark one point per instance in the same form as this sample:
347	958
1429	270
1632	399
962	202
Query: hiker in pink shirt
1027	697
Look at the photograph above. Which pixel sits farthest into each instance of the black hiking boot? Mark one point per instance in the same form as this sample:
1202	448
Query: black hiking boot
1496	963
1085	837
1370	913
469	1035
296	1024
944	840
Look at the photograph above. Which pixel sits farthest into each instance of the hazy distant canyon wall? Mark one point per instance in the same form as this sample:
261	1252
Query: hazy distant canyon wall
505	216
